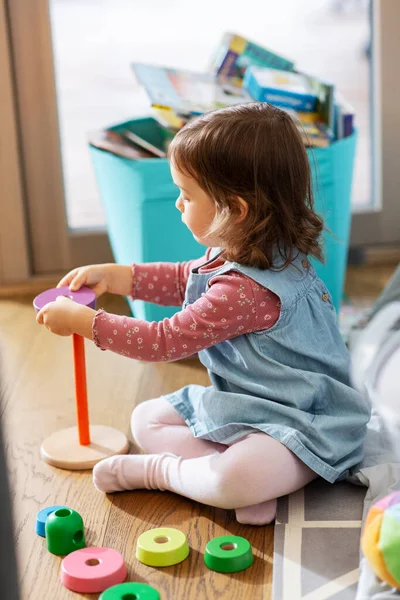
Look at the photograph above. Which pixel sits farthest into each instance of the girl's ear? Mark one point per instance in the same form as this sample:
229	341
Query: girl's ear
243	208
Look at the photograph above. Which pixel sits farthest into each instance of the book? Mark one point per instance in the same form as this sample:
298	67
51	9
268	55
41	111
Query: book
314	132
169	119
344	117
286	89
136	140
326	101
301	92
186	92
127	144
235	54
113	142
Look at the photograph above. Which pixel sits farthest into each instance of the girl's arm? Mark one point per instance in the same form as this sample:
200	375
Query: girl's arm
233	305
162	282
64	317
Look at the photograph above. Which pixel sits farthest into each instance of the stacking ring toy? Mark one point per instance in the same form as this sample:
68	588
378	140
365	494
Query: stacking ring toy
130	591
228	554
84	296
162	547
41	518
92	570
79	447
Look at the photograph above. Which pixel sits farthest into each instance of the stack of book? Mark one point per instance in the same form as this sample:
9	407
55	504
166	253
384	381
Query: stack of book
240	71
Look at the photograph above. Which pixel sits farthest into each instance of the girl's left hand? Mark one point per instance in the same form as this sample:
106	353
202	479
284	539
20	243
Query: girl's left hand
60	316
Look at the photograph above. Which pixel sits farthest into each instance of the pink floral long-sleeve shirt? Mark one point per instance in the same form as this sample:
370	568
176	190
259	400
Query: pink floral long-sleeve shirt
233	305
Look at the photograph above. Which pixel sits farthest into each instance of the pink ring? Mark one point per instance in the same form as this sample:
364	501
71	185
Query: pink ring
92	570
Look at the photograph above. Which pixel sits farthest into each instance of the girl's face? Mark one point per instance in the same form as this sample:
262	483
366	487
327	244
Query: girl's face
197	208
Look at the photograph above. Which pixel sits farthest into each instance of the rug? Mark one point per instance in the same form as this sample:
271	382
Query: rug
317	540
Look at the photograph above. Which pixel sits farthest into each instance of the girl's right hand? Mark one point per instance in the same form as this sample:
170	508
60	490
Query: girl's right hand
112	278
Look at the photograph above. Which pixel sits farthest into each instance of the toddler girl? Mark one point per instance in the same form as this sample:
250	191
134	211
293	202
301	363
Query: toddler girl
280	410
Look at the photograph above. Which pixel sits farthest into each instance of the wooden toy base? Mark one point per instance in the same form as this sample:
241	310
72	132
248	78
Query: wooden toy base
62	449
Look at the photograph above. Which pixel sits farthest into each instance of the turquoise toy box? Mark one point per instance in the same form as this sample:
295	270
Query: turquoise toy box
144	226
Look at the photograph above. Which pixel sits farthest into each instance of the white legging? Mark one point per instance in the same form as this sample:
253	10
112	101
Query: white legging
256	469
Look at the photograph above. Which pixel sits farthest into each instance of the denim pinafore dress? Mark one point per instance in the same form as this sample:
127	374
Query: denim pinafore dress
290	381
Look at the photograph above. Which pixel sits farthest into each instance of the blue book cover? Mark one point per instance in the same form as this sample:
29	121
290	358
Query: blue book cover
286	89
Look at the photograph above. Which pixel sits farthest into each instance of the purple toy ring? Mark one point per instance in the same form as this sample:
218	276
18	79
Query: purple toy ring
85	296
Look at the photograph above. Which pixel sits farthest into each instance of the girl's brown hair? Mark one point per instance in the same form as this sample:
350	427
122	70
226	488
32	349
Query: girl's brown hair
255	152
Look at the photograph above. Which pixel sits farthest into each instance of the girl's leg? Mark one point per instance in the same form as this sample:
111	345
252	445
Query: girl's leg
253	471
157	427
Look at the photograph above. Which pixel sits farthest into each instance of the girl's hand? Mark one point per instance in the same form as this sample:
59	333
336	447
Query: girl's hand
116	279
65	317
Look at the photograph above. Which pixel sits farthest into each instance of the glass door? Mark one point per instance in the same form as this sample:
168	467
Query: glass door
70	64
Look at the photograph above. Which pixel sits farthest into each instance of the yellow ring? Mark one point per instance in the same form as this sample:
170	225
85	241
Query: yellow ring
171	548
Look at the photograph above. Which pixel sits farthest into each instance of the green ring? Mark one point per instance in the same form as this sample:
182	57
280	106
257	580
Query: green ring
228	561
123	591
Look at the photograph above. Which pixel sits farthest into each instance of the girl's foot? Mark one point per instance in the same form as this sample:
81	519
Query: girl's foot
258	514
114	474
131	472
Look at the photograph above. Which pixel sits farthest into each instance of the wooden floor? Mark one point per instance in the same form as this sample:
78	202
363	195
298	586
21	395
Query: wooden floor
38	400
